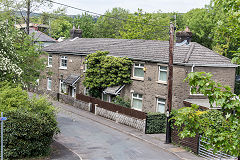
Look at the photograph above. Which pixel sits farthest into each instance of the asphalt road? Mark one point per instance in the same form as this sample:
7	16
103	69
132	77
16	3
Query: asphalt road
94	141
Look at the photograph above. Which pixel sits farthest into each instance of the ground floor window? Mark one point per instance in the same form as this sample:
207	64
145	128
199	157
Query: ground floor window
106	97
160	105
86	91
137	101
49	83
63	87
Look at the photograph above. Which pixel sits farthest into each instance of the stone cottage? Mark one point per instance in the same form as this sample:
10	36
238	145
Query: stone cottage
148	91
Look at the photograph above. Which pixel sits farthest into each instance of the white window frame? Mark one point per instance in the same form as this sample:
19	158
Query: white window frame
159	73
139	66
49	87
108	97
50	58
63	58
74	88
86	91
164	103
84	67
60	87
137	98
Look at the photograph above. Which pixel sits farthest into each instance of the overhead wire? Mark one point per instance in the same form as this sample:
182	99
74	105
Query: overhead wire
83	10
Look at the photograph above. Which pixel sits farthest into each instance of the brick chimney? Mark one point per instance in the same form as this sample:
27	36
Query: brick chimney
75	33
184	35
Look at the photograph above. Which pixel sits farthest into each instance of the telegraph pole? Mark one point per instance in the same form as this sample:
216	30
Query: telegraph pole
170	81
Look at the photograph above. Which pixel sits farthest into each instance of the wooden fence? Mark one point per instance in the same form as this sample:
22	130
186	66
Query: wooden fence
111	107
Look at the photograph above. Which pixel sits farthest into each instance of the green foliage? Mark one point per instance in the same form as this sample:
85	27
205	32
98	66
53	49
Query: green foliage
155	123
122	102
105	71
30	126
86	23
200	23
220	128
20	60
136	28
61	27
109	26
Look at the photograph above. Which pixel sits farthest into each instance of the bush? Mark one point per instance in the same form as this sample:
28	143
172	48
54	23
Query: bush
121	102
31	124
155	123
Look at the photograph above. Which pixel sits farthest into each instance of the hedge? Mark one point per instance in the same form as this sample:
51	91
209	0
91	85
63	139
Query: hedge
27	134
30	125
155	123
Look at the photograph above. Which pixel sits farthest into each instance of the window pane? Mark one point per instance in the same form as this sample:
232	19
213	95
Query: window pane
163	67
134	95
137	104
163	76
161	100
138	72
139	96
105	98
161	108
142	65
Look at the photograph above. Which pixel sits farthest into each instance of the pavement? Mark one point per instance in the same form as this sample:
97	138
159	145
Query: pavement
155	140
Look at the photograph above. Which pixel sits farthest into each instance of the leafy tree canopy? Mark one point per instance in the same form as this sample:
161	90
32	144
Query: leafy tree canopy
220	128
105	71
20	60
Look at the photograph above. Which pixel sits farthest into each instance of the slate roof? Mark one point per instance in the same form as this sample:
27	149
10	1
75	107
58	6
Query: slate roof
71	80
40	36
202	103
144	50
113	90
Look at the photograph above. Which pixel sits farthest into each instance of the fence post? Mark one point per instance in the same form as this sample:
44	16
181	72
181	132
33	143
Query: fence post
117	117
95	109
145	129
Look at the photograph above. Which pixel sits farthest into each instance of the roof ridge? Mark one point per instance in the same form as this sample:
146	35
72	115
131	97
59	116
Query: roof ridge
186	59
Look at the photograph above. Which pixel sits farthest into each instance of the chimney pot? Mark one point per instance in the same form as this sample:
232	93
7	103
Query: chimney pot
184	35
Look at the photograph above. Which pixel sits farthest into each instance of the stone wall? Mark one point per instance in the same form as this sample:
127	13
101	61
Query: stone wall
151	89
121	118
75	66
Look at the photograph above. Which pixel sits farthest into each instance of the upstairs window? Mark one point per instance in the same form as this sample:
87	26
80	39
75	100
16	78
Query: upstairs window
138	70
162	75
160	105
137	101
49	60
63	62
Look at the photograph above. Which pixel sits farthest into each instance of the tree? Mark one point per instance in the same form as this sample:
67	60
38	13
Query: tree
61	27
227	30
86	23
136	26
20	60
200	22
105	71
109	25
221	129
25	7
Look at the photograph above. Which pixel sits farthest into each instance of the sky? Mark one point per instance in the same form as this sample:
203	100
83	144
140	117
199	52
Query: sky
100	6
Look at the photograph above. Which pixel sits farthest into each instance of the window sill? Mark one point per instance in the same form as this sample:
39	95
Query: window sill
161	82
49	89
137	78
62	67
49	66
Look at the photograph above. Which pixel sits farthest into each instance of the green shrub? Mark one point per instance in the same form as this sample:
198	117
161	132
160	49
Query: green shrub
155	123
122	102
31	123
